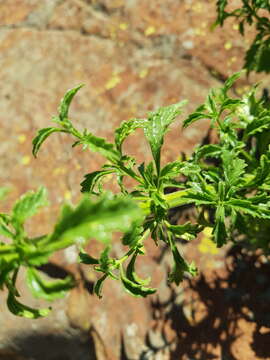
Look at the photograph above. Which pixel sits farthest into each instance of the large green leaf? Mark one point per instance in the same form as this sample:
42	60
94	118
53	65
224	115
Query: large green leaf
93	219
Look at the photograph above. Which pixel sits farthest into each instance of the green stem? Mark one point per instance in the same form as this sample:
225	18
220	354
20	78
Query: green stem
174	199
132	250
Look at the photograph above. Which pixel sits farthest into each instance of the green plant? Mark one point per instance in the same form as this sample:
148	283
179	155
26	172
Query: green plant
227	183
90	218
251	12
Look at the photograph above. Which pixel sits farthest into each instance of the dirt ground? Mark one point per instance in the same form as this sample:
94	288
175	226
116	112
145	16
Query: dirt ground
132	56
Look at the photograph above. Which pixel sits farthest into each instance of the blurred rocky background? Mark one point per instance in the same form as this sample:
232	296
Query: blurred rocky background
132	56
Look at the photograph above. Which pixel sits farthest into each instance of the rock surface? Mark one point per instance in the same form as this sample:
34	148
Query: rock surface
133	56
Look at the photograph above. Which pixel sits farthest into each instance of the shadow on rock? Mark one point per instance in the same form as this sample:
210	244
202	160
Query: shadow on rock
208	319
40	346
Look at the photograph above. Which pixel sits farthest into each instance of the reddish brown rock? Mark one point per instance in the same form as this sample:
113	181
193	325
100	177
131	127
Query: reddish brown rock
133	56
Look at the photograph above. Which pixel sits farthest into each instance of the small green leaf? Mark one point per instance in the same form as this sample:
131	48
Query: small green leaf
29	204
66	101
132	237
171	170
98	286
260	210
234	167
180	267
104	260
206	151
4	226
258	125
198	198
186	231
87	259
91	180
131	273
157	126
219	231
135	289
19	309
199	113
231	80
257	56
48	290
125	129
100	145
42	136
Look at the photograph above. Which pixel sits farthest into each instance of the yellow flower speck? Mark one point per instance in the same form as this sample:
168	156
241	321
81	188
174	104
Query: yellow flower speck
25	160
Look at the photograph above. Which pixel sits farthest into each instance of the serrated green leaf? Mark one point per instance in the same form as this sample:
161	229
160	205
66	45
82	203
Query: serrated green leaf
247	206
132	237
148	174
210	104
91	180
207	151
219	231
257	56
98	285
190	168
198	199
262	172
258	125
126	128
234	168
4	226
87	259
48	290
198	114
131	273
29	204
157	126
135	289
186	231
19	309
94	219
104	260
231	104
230	81
180	267
42	135
66	101
100	145
171	170
221	5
